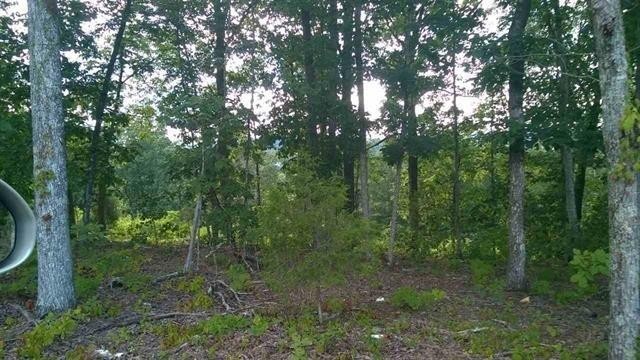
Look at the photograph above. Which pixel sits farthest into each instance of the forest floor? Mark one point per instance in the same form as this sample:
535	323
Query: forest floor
139	314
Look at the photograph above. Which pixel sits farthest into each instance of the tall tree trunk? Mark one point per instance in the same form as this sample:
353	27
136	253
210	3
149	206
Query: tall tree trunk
348	127
623	211
331	158
99	112
455	212
362	118
55	269
393	232
410	90
516	278
101	211
555	28
195	227
586	154
310	80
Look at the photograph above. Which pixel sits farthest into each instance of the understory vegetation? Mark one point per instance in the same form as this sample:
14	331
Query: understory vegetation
344	179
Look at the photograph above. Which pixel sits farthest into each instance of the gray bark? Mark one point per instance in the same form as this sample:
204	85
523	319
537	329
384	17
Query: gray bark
516	279
393	232
455	211
564	85
195	227
99	113
622	189
570	199
55	270
362	118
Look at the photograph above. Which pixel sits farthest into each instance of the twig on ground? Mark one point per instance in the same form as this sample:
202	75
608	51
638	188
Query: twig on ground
224	302
235	294
168	277
138	318
472	331
24	313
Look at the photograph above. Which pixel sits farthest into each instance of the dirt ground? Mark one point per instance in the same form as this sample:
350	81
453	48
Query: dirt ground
156	321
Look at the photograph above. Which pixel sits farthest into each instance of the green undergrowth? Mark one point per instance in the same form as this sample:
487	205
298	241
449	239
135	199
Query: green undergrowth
56	327
539	340
412	299
215	327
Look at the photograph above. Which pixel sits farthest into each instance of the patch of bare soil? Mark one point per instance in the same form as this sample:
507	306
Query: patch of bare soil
154	322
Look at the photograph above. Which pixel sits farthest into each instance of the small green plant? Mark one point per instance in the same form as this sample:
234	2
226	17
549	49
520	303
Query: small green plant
238	277
259	325
53	327
588	267
409	298
482	273
541	287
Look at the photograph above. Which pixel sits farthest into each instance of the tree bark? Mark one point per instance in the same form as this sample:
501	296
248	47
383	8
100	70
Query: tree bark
55	270
310	79
195	227
455	212
362	118
348	127
622	187
564	85
393	232
99	113
516	277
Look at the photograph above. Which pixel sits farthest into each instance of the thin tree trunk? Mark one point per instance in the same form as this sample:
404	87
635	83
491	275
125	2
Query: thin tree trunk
570	199
197	218
310	79
580	182
393	232
349	133
362	118
555	28
623	211
101	211
516	277
195	227
55	269
99	113
455	216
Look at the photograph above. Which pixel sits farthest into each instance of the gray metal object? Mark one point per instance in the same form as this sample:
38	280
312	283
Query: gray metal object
25	227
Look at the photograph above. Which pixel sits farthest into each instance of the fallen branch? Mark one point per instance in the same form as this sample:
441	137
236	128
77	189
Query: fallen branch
137	319
224	302
235	294
168	277
24	313
472	331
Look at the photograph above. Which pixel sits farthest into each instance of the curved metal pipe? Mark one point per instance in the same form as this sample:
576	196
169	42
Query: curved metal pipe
25	227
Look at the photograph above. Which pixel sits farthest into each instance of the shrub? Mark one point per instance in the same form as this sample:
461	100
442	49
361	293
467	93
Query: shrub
409	298
588	267
307	237
168	228
45	333
482	273
238	277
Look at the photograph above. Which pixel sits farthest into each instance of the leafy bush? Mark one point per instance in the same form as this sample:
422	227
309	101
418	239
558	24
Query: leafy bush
45	333
88	233
482	273
169	228
238	277
307	237
409	298
588	267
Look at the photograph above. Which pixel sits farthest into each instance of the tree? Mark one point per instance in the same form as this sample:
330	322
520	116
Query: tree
363	163
101	106
516	279
619	132
55	270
